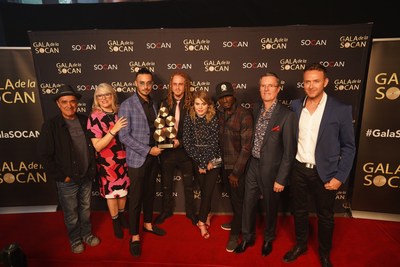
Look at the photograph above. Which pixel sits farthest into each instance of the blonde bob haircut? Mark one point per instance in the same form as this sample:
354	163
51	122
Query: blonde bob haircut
105	88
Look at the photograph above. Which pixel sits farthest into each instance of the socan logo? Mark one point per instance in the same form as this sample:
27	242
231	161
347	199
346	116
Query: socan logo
83	47
314	42
216	65
46	47
69	68
19	134
347	84
348	42
105	67
254	65
21	173
289	64
235	44
196	45
135	66
18	91
332	64
200	86
274	43
179	66
158	45
387	86
124	87
86	87
119	46
49	88
381	174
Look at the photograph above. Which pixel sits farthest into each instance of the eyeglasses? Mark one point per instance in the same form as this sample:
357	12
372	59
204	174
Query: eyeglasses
147	84
103	96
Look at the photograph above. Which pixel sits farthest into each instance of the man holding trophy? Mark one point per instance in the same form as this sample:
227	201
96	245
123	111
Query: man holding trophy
169	130
141	156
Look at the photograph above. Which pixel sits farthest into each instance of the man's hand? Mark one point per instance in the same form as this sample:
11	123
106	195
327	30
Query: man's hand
155	151
333	184
278	187
233	180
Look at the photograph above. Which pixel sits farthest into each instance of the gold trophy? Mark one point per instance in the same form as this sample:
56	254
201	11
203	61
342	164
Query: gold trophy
165	131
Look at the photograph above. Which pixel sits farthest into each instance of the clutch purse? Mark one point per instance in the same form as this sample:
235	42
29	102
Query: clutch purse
216	162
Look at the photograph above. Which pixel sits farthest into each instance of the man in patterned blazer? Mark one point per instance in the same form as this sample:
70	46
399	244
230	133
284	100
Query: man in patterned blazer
141	156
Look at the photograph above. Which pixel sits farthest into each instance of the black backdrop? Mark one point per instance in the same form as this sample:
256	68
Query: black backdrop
209	55
17	19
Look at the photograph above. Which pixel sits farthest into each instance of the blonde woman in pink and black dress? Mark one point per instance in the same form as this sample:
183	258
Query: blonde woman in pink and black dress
104	125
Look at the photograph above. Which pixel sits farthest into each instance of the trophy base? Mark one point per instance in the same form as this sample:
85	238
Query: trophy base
165	145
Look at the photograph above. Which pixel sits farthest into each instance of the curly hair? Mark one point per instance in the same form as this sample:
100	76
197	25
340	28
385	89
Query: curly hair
188	94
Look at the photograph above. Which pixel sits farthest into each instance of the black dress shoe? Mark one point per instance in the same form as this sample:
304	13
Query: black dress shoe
266	249
243	246
193	218
156	230
162	217
325	261
134	248
293	254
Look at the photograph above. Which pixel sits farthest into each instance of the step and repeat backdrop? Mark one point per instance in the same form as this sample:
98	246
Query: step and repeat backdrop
23	181
377	180
86	58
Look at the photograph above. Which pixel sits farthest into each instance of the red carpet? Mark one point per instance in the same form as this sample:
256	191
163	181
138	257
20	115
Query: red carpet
43	239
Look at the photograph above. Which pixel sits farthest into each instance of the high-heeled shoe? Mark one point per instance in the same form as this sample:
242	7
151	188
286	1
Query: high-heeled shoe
203	230
208	221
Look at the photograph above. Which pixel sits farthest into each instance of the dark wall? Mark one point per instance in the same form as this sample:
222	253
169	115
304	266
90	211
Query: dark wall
17	19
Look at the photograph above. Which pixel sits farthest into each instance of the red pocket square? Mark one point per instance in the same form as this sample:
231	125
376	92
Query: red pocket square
276	129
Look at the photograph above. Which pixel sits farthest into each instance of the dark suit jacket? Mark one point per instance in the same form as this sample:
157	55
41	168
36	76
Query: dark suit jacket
279	146
335	150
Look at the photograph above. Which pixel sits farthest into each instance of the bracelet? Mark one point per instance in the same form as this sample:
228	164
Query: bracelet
111	133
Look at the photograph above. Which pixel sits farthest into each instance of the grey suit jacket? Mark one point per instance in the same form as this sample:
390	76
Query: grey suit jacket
279	146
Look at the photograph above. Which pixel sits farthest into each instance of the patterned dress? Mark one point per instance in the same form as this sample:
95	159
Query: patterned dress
111	161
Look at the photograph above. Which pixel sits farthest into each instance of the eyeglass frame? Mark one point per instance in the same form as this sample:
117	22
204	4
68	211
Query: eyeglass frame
104	96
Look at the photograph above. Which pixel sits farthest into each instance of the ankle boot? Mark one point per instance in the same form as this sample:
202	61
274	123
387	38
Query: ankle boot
117	228
123	220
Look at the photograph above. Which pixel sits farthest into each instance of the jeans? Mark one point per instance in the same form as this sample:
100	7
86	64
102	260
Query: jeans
75	202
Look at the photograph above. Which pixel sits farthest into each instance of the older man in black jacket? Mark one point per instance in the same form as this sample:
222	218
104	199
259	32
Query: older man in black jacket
68	158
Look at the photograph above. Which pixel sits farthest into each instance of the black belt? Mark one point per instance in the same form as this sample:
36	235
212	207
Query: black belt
306	165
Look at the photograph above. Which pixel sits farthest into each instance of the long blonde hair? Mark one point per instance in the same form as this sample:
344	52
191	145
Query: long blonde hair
203	96
188	95
105	88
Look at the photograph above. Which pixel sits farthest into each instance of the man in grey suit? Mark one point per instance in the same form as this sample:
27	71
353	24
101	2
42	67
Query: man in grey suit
273	151
324	159
141	156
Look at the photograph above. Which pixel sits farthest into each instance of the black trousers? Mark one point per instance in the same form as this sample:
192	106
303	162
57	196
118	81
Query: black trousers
171	159
236	196
207	184
142	192
303	182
